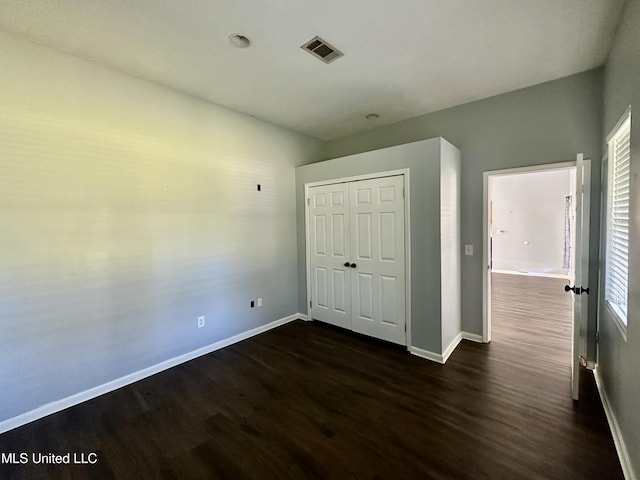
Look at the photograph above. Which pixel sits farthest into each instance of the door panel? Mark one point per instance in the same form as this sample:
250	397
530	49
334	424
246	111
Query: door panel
337	199
363	232
320	235
340	301
322	294
329	251
580	271
363	195
388	248
364	290
338	225
379	303
388	299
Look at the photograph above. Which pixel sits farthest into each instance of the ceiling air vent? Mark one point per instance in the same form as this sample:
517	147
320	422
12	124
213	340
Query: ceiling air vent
322	50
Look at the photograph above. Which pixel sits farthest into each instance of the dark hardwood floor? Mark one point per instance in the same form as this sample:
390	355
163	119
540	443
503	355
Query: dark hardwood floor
310	401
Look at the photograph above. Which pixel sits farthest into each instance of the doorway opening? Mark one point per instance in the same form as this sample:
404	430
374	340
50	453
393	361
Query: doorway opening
530	251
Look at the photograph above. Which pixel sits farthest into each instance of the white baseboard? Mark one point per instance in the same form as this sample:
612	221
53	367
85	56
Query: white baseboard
442	358
419	352
531	274
304	317
621	447
80	397
446	353
472	337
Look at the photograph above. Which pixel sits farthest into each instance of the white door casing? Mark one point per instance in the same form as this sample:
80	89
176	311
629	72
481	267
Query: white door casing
357	256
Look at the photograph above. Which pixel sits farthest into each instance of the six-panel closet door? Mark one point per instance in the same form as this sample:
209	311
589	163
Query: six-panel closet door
357	260
329	254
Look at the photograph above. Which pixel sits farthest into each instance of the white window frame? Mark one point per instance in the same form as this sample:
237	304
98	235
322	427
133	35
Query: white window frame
618	185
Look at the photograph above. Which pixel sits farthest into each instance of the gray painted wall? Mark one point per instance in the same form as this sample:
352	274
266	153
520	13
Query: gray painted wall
127	210
619	360
547	123
423	160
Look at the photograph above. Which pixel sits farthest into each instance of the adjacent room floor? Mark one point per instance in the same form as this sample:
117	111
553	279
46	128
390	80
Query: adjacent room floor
312	401
531	317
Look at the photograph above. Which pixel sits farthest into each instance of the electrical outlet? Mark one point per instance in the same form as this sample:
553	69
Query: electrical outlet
260	302
201	322
468	250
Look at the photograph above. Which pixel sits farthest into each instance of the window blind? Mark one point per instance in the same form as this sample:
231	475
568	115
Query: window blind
617	261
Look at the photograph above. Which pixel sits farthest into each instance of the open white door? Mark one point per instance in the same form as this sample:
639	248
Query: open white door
579	278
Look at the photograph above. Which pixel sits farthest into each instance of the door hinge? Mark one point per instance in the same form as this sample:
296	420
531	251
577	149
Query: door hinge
310	304
403	193
597	337
308	201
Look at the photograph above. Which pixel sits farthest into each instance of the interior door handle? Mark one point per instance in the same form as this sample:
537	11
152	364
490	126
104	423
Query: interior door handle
346	264
353	265
576	290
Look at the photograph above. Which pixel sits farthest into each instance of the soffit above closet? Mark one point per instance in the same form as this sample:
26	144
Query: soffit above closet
401	59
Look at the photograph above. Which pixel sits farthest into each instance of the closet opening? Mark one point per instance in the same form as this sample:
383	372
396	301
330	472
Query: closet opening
357	250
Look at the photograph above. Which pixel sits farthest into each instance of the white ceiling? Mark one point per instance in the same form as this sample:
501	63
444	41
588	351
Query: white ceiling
401	59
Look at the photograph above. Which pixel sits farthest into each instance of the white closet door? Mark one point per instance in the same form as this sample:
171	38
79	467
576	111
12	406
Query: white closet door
329	251
377	258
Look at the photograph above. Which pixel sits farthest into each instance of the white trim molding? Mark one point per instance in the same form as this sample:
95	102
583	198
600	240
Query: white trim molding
419	352
472	337
621	448
531	274
446	353
80	397
442	358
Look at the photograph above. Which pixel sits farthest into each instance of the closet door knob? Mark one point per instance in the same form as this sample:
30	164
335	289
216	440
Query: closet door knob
346	264
353	265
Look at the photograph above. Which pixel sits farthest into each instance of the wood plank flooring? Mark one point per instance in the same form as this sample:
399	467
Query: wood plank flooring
534	315
311	401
